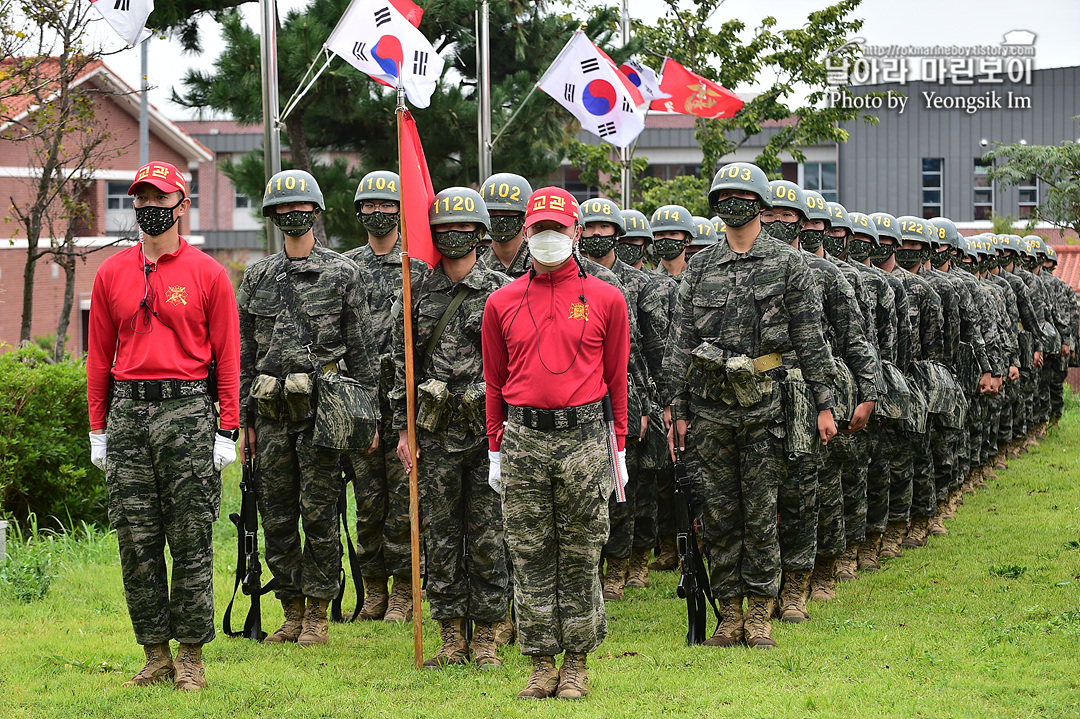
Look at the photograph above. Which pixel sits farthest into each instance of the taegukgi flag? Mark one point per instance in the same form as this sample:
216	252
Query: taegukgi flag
585	81
126	17
644	79
375	38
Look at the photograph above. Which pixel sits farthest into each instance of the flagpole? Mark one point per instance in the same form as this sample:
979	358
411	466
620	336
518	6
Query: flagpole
483	85
271	138
626	153
410	403
144	106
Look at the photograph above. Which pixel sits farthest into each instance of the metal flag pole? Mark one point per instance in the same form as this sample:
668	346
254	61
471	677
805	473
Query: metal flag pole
144	106
626	153
271	138
410	401
483	85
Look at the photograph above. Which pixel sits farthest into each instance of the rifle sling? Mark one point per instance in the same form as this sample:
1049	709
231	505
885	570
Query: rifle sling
354	560
444	320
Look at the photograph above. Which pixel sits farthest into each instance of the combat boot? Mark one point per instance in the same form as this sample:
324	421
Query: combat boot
1040	430
729	631
823	581
1054	422
668	558
793	597
936	525
190	674
890	542
290	630
1013	451
758	626
978	479
867	558
158	668
1000	461
847	564
638	574
505	632
544	680
454	649
483	646
1030	442
917	532
316	626
573	677
988	471
376	597
399	605
615	579
968	486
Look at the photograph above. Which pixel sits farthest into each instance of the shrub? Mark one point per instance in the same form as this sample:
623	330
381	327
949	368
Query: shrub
44	451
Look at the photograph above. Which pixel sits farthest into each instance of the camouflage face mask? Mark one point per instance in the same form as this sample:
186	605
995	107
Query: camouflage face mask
669	248
880	254
506	227
908	258
938	259
737	211
859	250
786	232
295	223
455	244
835	246
379	223
629	253
597	245
811	240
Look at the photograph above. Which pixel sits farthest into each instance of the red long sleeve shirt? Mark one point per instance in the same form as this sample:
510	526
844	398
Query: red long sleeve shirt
192	294
546	348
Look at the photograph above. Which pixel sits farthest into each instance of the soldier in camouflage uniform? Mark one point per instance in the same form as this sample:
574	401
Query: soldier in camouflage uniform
302	311
746	320
380	487
1009	333
505	195
1056	364
462	514
1064	298
1038	403
673	229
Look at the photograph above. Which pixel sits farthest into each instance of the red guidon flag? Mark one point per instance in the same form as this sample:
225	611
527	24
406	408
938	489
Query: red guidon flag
417	194
692	94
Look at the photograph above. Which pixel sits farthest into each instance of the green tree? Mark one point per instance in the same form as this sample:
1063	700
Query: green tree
1056	167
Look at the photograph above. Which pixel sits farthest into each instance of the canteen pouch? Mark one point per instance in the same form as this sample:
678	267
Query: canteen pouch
895	402
298	391
967	369
344	416
800	416
938	386
705	378
474	408
743	379
1026	345
266	391
917	420
1052	347
386	372
433	408
845	393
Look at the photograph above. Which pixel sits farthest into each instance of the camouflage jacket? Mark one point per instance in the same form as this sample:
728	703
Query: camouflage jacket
950	313
651	307
382	275
904	342
862	294
881	295
1025	307
925	317
1040	304
1063	298
518	266
1008	325
976	326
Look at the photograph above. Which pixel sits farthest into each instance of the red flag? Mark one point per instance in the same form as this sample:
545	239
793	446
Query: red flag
694	95
412	12
417	194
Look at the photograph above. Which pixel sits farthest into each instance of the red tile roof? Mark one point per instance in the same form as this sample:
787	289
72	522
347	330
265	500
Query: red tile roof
47	69
1068	267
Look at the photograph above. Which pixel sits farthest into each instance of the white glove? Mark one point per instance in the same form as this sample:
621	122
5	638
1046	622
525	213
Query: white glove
624	476
97	450
224	452
495	471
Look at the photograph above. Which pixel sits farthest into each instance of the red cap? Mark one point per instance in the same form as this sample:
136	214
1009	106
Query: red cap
551	203
161	175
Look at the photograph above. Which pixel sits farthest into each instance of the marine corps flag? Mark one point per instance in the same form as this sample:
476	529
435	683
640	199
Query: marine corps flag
127	18
692	94
585	81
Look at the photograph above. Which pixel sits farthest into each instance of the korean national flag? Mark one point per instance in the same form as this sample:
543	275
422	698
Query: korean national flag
127	18
375	38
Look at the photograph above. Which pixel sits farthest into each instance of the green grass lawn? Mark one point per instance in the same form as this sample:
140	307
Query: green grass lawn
984	622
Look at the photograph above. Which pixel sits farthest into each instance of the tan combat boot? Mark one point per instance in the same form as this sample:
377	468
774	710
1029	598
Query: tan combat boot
573	677
290	630
1040	430
638	573
544	680
988	471
979	477
758	626
729	631
399	605
483	646
1000	461
1013	450
793	597
454	649
950	506
1030	442
376	597
190	674
890	542
615	579
505	632
918	530
847	564
968	485
936	526
668	558
316	626
823	580
867	558
158	668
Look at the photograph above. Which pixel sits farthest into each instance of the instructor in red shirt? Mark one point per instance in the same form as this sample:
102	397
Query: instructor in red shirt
556	342
163	327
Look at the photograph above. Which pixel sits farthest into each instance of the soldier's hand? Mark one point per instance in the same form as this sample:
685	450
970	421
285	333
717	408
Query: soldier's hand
1066	351
680	435
374	442
403	450
826	425
1038	360
249	443
644	426
667	419
1014	373
986	383
997	384
860	417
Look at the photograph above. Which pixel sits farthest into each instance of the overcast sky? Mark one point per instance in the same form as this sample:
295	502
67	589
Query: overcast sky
887	22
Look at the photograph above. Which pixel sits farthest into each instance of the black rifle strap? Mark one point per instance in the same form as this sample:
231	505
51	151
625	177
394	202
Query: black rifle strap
298	314
444	320
354	560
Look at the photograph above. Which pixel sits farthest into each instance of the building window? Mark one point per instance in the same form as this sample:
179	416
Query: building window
117	197
1029	196
193	190
984	190
931	186
821	177
240	201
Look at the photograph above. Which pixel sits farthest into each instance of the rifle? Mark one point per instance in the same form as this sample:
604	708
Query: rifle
248	566
349	475
694	581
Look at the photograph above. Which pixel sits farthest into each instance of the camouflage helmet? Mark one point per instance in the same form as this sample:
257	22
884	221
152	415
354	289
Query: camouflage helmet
983	244
378	185
704	232
838	216
672	217
970	247
887	226
816	208
459	204
601	209
506	191
915	229
945	233
1022	247
636	224
1037	245
1051	254
863	225
785	194
292	186
740	176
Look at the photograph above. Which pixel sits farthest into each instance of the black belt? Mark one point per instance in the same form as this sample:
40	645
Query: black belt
155	390
547	420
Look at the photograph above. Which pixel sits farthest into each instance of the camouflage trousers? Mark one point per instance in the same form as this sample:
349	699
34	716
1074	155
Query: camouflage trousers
298	483
645	509
162	489
993	408
831	534
1042	392
741	470
555	511
923	503
1023	417
854	477
1006	416
463	532
622	515
896	443
944	443
878	478
963	445
1058	374
654	515
797	515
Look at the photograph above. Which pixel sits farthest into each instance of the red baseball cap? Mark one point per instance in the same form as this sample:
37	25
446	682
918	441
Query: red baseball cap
551	203
161	175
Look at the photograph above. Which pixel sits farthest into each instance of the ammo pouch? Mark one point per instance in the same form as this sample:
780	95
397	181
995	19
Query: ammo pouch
895	402
749	387
474	408
967	370
800	416
939	388
298	391
1052	347
635	408
344	416
705	378
917	420
845	393
386	371
433	409
1026	344
266	391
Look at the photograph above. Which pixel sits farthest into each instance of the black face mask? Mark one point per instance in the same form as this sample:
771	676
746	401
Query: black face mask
629	253
737	211
938	259
859	250
881	254
909	259
786	232
154	221
669	248
597	245
295	223
835	246
379	223
969	266
811	240
506	227
455	244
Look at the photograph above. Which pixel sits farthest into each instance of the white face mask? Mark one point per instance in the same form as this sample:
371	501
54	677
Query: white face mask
550	247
